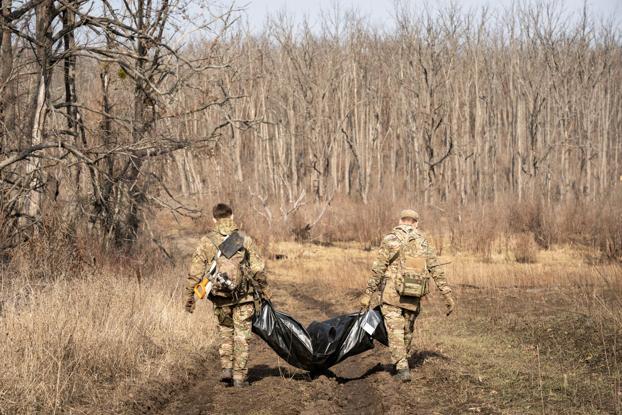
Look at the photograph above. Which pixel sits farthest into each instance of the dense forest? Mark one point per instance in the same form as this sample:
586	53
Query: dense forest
110	109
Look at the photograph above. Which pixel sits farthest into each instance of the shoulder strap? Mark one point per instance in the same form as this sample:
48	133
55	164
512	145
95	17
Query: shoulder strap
213	265
402	236
394	232
211	237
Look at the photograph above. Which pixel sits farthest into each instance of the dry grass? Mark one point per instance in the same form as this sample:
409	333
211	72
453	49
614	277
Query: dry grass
525	249
347	266
529	338
90	337
89	342
340	267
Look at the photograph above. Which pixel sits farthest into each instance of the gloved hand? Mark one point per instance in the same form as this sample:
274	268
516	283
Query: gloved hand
190	304
449	302
364	300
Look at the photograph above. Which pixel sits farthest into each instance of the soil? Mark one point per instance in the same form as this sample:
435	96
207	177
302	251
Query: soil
361	385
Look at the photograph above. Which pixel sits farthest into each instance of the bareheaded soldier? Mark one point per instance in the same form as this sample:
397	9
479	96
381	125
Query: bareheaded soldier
235	259
401	270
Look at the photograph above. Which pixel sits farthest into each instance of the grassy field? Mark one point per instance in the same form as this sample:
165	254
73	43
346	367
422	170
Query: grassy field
76	345
525	338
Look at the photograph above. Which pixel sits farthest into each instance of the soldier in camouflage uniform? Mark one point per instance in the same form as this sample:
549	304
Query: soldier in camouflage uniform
401	311
234	311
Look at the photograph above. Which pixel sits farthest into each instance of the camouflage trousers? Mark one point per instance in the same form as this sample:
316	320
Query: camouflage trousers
400	324
234	327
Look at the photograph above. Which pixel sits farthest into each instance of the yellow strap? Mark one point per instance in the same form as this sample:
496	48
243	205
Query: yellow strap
199	289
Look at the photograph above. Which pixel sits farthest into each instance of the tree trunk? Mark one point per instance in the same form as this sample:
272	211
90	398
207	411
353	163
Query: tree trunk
7	84
39	106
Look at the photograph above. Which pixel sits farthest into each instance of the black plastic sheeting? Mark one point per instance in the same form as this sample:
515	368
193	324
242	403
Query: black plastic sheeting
322	344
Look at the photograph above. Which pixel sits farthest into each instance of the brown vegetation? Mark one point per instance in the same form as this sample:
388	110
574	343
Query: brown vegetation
91	337
452	109
111	338
501	129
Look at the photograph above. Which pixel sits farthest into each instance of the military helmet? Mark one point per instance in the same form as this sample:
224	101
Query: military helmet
409	213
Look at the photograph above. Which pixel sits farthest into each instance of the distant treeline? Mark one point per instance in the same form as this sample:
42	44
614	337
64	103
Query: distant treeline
106	112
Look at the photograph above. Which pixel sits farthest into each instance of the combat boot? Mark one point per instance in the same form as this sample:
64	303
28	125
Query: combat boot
227	375
240	383
403	375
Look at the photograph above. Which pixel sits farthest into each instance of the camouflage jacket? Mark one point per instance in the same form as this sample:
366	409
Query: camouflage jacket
253	265
385	267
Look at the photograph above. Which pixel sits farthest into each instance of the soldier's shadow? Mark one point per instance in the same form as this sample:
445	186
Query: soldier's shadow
259	372
415	360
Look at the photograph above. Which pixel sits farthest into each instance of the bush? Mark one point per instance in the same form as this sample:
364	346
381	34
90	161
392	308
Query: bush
535	218
525	248
53	250
608	228
483	228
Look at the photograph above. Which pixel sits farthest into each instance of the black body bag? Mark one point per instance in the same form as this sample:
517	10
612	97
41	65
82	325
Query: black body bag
322	344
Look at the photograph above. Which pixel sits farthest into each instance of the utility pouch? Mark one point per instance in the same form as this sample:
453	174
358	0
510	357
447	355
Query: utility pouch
224	316
412	278
412	285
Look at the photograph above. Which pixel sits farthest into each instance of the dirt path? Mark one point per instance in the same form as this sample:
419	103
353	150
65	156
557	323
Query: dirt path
362	384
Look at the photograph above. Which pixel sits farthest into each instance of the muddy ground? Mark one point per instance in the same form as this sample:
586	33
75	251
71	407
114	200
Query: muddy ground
361	385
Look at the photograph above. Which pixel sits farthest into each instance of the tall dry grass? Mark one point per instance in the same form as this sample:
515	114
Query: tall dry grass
485	229
70	342
83	327
347	266
564	308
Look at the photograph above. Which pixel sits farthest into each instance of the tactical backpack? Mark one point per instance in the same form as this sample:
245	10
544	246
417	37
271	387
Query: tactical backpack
412	276
229	263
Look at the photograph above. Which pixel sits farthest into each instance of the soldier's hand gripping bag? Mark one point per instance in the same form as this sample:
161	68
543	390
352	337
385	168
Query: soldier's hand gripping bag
322	344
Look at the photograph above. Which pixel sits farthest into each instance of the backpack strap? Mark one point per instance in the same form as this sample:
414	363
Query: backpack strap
213	265
402	236
211	237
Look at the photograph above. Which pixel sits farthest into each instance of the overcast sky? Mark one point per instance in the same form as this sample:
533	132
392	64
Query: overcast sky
379	12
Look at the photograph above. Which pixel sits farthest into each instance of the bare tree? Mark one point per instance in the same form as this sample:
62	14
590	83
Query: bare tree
121	107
